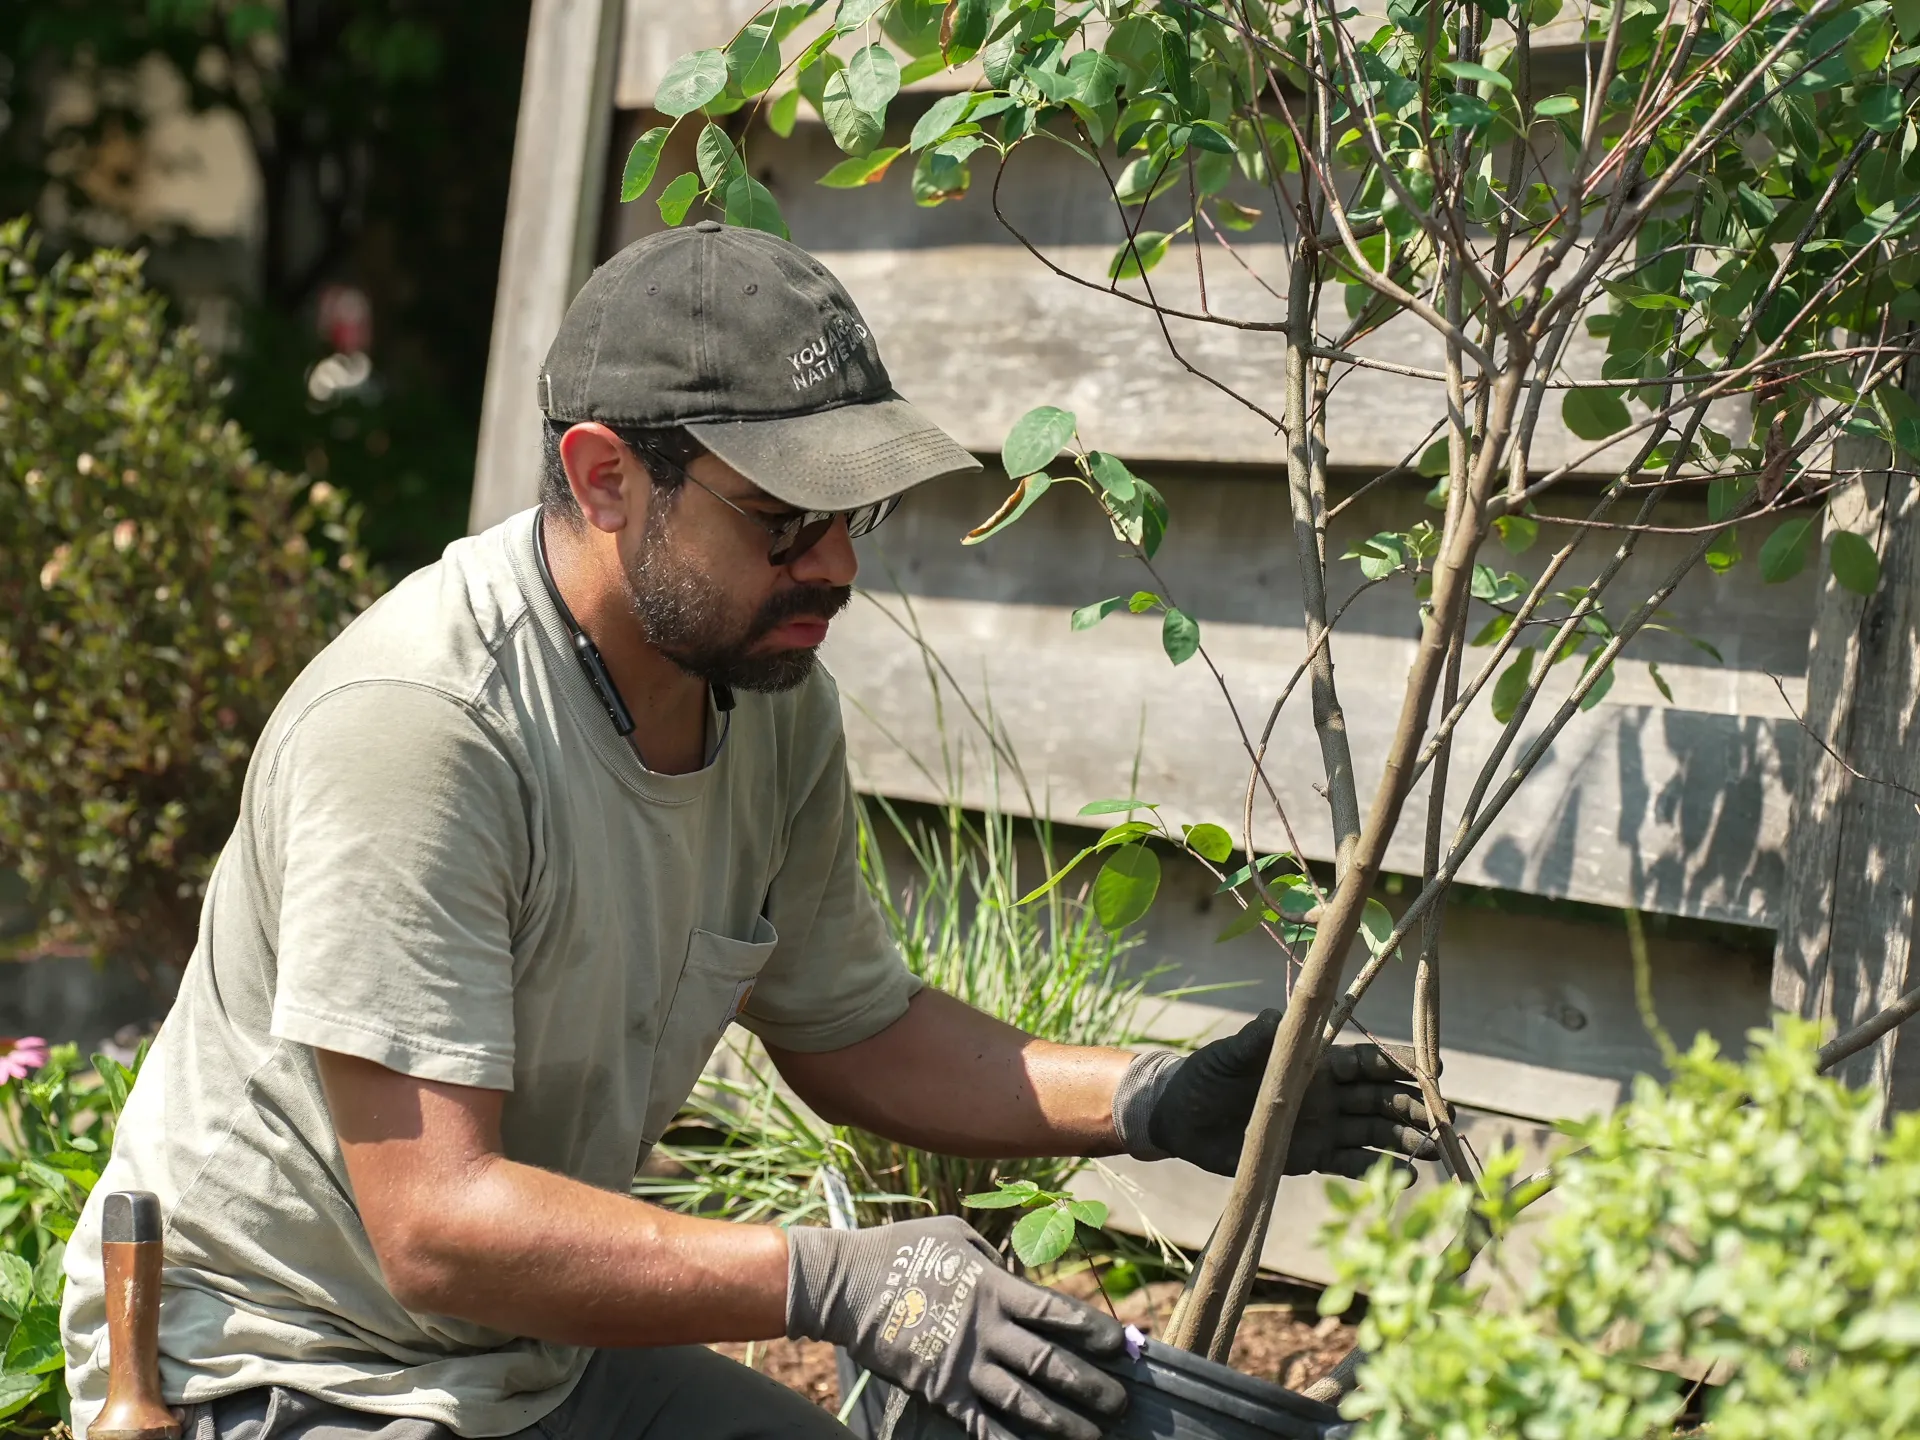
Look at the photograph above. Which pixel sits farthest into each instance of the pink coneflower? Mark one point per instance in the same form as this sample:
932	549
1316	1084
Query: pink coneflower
20	1056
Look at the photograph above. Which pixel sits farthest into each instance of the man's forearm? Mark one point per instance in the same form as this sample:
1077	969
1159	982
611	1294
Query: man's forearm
950	1078
462	1231
533	1253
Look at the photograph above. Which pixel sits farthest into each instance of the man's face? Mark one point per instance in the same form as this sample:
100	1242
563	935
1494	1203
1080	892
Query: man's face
705	596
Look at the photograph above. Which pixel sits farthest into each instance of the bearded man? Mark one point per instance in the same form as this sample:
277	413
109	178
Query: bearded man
513	852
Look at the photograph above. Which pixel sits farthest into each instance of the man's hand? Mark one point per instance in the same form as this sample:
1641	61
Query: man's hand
1197	1107
927	1305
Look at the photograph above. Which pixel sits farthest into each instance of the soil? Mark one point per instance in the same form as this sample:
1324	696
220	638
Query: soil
1281	1339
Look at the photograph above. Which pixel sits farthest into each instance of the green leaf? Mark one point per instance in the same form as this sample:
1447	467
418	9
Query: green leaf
958	148
1115	807
1382	554
1594	414
1206	135
1659	680
1785	553
1724	553
1054	879
753	59
1036	438
678	197
1210	842
1245	872
49	1274
858	170
1726	496
1245	923
751	204
1512	684
785	19
1177	61
1143	601
852	14
82	1169
1010	1194
1088	616
941	116
642	161
1029	489
1467	70
1494	631
1139	255
1124	889
1882	108
34	1348
1376	925
16	1285
1114	477
1557	105
1042	1236
19	1391
719	162
1466	112
1127	830
784	112
873	78
1091	1213
1600	687
939	178
1855	565
1517	533
1234	215
969	29
854	130
1179	635
690	82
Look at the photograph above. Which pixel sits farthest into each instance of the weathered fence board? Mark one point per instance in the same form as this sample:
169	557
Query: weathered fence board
1676	807
552	233
1846	944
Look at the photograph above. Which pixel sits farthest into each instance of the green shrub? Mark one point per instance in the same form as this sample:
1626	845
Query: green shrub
1050	969
159	588
1752	1213
56	1129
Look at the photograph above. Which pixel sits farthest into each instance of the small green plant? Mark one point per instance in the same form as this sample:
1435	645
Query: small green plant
56	1130
1052	1222
159	589
1753	1213
744	1148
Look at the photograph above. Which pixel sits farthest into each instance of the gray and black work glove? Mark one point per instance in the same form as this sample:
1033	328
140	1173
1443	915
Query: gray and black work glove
927	1305
1196	1107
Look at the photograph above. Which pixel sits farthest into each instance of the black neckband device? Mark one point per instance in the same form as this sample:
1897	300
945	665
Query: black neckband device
588	654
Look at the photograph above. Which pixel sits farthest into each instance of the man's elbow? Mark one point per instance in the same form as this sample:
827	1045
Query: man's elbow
431	1256
424	1270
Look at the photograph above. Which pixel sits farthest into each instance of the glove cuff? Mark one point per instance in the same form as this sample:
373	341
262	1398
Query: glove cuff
816	1274
1138	1092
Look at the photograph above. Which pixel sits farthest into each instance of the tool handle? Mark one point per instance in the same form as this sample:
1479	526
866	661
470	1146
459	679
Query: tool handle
130	1249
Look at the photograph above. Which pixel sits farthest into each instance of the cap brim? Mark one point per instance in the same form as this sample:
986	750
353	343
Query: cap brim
838	459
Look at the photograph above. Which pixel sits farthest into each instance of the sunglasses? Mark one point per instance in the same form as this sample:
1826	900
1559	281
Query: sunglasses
791	535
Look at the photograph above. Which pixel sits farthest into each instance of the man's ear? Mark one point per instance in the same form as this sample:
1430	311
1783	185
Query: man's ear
608	483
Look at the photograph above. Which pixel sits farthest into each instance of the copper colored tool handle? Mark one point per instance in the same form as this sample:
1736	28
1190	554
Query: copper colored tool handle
130	1248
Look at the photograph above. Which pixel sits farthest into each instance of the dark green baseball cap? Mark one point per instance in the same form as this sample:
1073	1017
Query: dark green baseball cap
755	348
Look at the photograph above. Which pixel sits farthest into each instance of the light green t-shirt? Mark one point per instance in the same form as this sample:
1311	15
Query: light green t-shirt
447	862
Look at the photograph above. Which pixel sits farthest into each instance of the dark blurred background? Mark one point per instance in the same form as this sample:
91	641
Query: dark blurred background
320	185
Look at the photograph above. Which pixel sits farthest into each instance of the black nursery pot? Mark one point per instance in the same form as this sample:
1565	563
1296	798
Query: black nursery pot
1172	1395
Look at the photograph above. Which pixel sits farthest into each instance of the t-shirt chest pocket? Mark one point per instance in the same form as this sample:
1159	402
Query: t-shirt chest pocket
715	983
